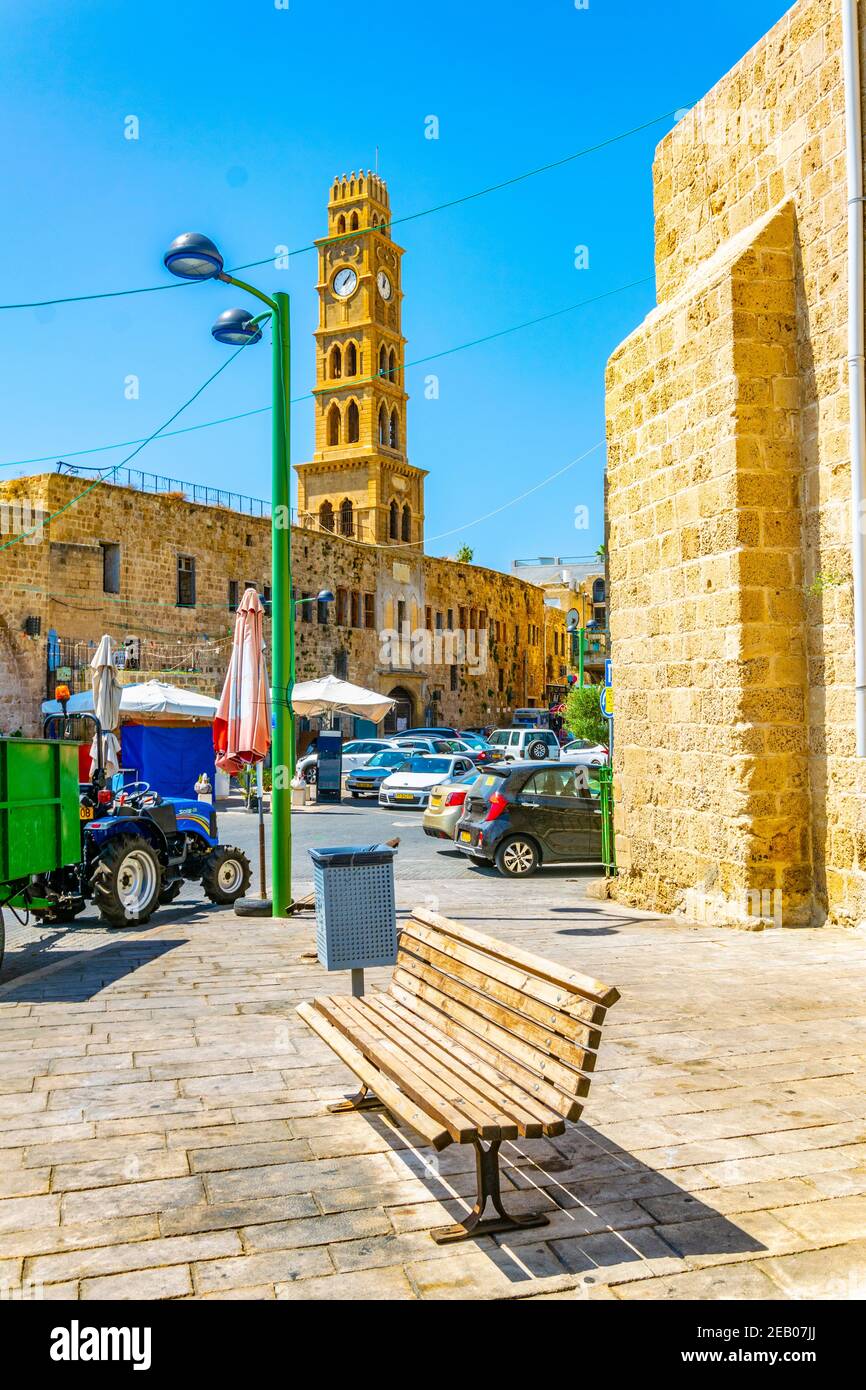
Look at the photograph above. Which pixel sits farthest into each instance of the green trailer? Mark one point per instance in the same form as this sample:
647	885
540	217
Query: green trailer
39	816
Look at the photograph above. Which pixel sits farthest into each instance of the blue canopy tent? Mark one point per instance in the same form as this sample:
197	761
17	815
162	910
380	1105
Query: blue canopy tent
171	757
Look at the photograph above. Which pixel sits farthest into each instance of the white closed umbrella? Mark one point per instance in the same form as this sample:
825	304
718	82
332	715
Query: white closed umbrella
328	695
107	691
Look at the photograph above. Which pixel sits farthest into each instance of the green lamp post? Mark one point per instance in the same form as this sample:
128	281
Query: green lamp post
195	257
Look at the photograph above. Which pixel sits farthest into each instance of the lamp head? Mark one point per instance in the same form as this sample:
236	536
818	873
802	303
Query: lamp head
325	596
235	327
193	256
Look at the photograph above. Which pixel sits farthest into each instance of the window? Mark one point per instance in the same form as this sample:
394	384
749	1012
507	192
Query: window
357	604
394	522
351	360
110	568
394	430
326	516
353	423
383	425
341	224
383	362
462	619
369	610
401	613
185	581
438	622
454	675
598	591
234	597
392	365
406	532
342	607
354	224
347	519
266	596
450	619
553	781
334	425
336	362
322	612
341	664
428	619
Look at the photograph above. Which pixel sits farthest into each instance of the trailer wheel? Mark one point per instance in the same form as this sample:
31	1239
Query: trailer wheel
226	875
127	881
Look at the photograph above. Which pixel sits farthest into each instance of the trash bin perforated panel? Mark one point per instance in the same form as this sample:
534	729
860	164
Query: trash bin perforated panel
356	919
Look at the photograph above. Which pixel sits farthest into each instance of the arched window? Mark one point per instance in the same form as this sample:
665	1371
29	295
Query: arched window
341	224
347	527
598	591
383	425
336	361
392	365
354	224
394	522
353	423
383	360
394	430
351	360
326	516
334	424
406	532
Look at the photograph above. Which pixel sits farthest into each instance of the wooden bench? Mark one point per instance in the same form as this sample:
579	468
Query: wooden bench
475	1041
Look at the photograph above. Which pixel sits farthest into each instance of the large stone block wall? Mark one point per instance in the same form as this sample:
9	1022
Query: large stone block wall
729	497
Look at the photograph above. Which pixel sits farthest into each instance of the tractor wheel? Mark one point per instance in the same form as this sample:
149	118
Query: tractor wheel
170	892
226	875
127	881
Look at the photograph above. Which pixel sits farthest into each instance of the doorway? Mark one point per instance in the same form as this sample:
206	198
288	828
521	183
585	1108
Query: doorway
402	713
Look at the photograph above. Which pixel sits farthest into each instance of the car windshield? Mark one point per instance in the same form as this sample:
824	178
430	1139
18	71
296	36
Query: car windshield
428	765
389	759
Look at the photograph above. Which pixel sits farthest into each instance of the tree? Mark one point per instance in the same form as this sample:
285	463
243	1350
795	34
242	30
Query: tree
464	554
583	717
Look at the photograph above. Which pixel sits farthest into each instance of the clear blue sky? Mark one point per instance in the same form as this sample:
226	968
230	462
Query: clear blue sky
246	113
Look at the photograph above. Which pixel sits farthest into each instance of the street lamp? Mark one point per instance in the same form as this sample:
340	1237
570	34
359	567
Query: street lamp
193	256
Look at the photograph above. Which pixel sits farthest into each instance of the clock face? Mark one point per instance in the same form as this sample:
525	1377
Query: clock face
344	282
384	285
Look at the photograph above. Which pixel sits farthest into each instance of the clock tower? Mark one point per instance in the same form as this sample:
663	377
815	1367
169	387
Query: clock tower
360	483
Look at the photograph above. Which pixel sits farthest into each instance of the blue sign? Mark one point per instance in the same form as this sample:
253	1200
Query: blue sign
608	672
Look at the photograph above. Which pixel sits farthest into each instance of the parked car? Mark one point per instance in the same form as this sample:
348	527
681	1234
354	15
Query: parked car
445	806
437	730
411	786
426	743
512	745
366	780
584	753
528	814
356	753
481	749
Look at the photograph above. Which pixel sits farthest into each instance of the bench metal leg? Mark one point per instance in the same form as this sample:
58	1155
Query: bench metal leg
362	1100
487	1170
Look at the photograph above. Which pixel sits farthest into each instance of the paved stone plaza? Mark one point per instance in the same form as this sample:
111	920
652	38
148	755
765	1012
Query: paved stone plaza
164	1131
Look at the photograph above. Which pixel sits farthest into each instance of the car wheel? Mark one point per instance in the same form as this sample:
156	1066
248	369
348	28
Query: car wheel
517	857
311	775
537	750
356	796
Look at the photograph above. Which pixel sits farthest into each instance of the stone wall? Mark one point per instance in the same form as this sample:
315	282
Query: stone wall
729	496
376	595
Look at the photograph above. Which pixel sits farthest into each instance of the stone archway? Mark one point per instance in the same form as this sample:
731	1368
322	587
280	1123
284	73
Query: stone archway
402	714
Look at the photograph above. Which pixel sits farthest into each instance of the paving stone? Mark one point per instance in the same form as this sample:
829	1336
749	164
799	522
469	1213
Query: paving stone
232	1156
140	1284
136	1164
836	1219
612	1256
130	1199
320	1230
28	1213
76	1236
739	1281
257	1212
23	1182
380	1285
837	1273
276	1266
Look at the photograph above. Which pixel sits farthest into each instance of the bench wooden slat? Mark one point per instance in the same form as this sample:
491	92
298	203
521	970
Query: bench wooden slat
419	1084
532	1116
545	1040
389	1094
505	1043
505	973
452	1080
570	980
546	1015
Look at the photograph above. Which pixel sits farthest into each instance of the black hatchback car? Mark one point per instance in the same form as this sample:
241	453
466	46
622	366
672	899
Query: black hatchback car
521	815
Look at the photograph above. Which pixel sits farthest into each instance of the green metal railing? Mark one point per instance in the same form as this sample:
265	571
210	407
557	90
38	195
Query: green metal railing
608	845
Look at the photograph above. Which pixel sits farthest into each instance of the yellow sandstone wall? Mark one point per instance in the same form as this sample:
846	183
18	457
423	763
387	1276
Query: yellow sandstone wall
729	496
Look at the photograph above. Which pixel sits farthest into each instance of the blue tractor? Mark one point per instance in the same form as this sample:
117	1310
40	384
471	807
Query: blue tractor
137	850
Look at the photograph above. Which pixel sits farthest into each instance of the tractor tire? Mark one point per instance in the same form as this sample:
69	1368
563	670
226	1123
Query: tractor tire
170	892
127	881
226	875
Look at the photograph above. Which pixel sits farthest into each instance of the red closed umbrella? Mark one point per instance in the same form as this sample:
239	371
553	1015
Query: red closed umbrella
242	726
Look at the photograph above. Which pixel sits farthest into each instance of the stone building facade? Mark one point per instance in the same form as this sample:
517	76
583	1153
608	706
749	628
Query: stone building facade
729	493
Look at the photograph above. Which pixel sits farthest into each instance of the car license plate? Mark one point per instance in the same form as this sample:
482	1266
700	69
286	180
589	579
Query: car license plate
465	837
404	796
85	813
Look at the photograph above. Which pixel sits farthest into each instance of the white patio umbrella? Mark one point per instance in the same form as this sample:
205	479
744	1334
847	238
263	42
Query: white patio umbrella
328	695
106	706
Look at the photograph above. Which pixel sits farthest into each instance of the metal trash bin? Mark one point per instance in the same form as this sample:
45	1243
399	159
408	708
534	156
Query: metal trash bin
356	918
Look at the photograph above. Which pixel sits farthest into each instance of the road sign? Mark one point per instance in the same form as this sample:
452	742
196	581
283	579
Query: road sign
608	673
605	700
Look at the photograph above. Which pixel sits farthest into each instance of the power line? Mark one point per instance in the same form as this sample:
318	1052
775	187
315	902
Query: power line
409	217
14	540
346	383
